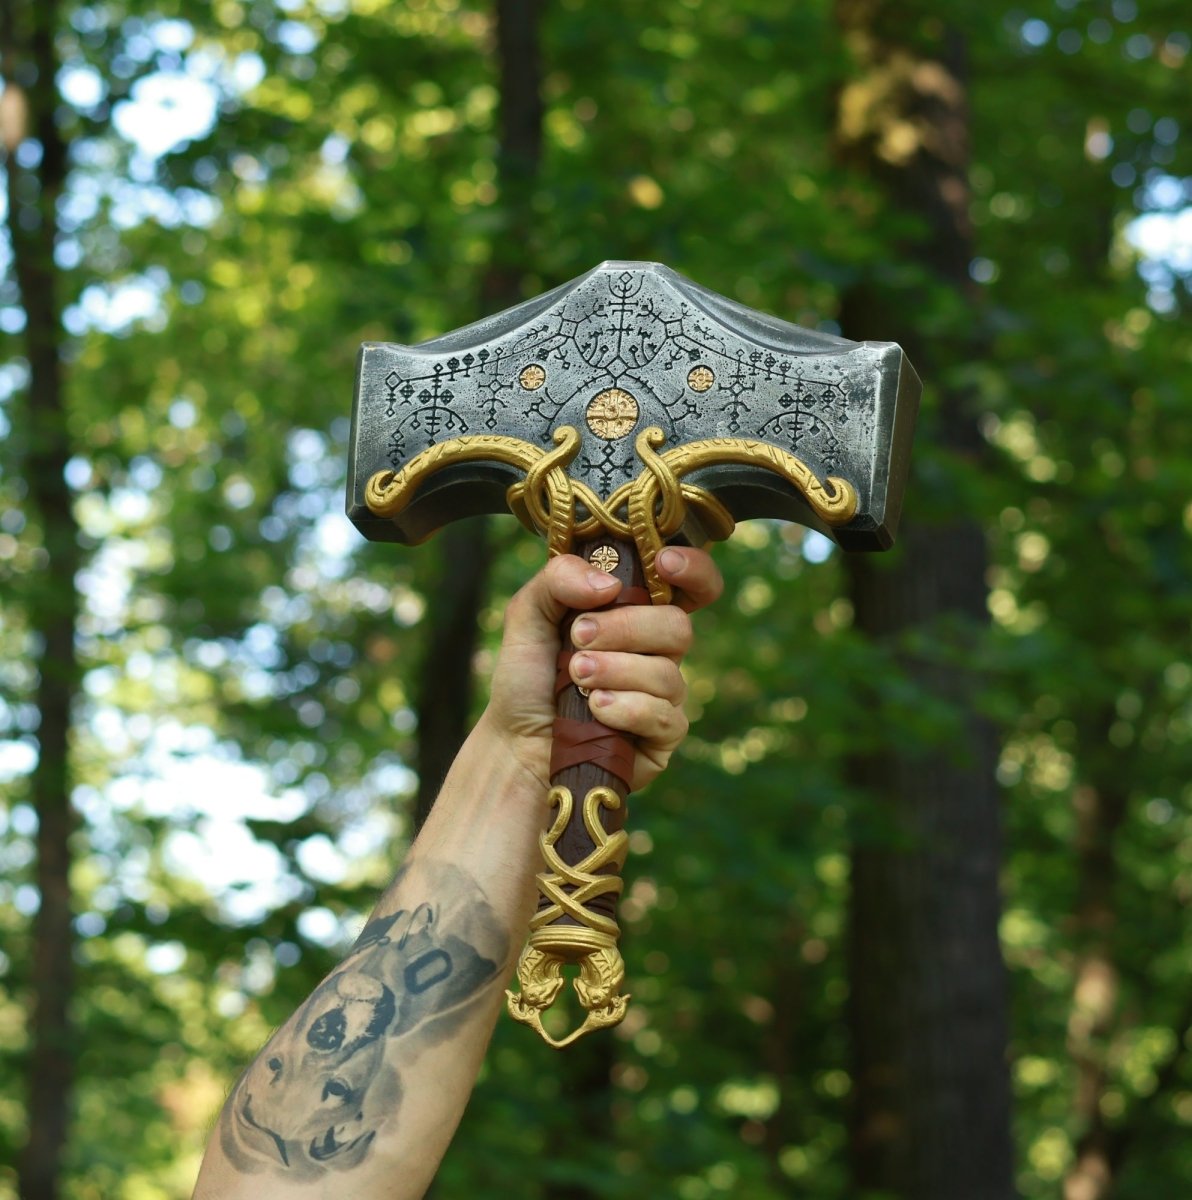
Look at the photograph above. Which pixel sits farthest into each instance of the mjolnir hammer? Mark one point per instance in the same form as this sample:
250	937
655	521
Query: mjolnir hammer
624	410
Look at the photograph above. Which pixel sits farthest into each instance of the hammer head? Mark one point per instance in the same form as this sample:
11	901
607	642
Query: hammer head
618	350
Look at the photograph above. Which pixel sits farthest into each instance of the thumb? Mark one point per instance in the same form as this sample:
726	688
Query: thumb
565	583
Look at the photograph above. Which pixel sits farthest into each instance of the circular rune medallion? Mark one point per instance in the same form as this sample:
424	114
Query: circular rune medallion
605	558
612	414
700	378
532	377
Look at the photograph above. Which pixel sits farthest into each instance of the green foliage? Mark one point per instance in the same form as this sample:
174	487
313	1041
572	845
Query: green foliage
249	665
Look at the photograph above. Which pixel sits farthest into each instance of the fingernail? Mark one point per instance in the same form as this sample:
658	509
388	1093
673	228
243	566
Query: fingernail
600	699
671	561
583	666
600	581
583	631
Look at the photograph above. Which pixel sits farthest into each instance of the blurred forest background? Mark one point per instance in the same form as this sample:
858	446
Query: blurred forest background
909	917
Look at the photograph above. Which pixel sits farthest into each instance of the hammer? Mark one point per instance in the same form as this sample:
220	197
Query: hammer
620	412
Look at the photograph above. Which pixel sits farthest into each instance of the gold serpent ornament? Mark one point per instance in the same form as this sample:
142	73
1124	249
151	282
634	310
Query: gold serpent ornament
656	504
592	941
650	509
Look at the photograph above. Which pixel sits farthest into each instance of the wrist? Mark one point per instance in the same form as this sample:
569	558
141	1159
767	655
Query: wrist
488	816
527	754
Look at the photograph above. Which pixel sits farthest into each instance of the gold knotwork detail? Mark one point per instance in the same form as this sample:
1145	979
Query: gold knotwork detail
592	940
659	501
545	500
570	889
388	493
656	504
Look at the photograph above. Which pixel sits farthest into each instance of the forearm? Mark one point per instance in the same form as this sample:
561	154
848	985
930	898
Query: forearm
359	1093
361	1090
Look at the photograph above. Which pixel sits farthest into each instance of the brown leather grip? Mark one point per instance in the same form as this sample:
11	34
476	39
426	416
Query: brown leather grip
586	753
579	742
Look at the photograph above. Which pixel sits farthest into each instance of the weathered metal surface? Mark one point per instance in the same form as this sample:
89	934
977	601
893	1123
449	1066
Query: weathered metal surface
624	347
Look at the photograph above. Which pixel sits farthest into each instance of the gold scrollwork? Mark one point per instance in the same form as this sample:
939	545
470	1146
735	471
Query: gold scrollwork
388	493
543	501
571	888
591	941
658	501
655	504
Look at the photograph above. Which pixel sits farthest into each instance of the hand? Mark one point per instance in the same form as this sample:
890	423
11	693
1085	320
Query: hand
629	658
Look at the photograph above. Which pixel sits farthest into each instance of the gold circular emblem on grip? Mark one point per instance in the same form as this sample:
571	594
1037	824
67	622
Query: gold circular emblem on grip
604	558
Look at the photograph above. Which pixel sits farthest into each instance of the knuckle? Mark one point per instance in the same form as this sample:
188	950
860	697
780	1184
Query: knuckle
633	708
556	571
516	607
645	714
680	627
672	724
659	717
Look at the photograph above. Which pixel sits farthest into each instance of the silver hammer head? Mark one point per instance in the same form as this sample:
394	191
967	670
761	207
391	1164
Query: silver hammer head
629	364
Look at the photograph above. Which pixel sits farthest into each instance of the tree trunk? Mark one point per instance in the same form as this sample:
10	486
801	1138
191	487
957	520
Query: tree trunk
445	686
465	551
927	1012
1099	815
51	598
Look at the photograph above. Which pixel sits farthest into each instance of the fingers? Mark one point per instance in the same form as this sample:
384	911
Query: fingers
565	583
656	721
693	573
648	674
627	658
637	629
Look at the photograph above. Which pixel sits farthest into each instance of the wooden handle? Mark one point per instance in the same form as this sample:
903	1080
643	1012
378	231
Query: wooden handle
591	774
586	753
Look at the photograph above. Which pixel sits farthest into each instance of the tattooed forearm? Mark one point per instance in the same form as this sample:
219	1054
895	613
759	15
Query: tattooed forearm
315	1097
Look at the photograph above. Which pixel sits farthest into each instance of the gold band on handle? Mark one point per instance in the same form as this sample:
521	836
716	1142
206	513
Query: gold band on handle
592	941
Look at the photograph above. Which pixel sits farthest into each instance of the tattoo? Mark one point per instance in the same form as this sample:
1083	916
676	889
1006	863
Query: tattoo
314	1098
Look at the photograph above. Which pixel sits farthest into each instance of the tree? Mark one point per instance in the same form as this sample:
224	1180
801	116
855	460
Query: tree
1088	591
35	170
465	551
931	1115
245	727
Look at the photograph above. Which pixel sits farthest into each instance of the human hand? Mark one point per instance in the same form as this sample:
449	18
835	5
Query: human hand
629	658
